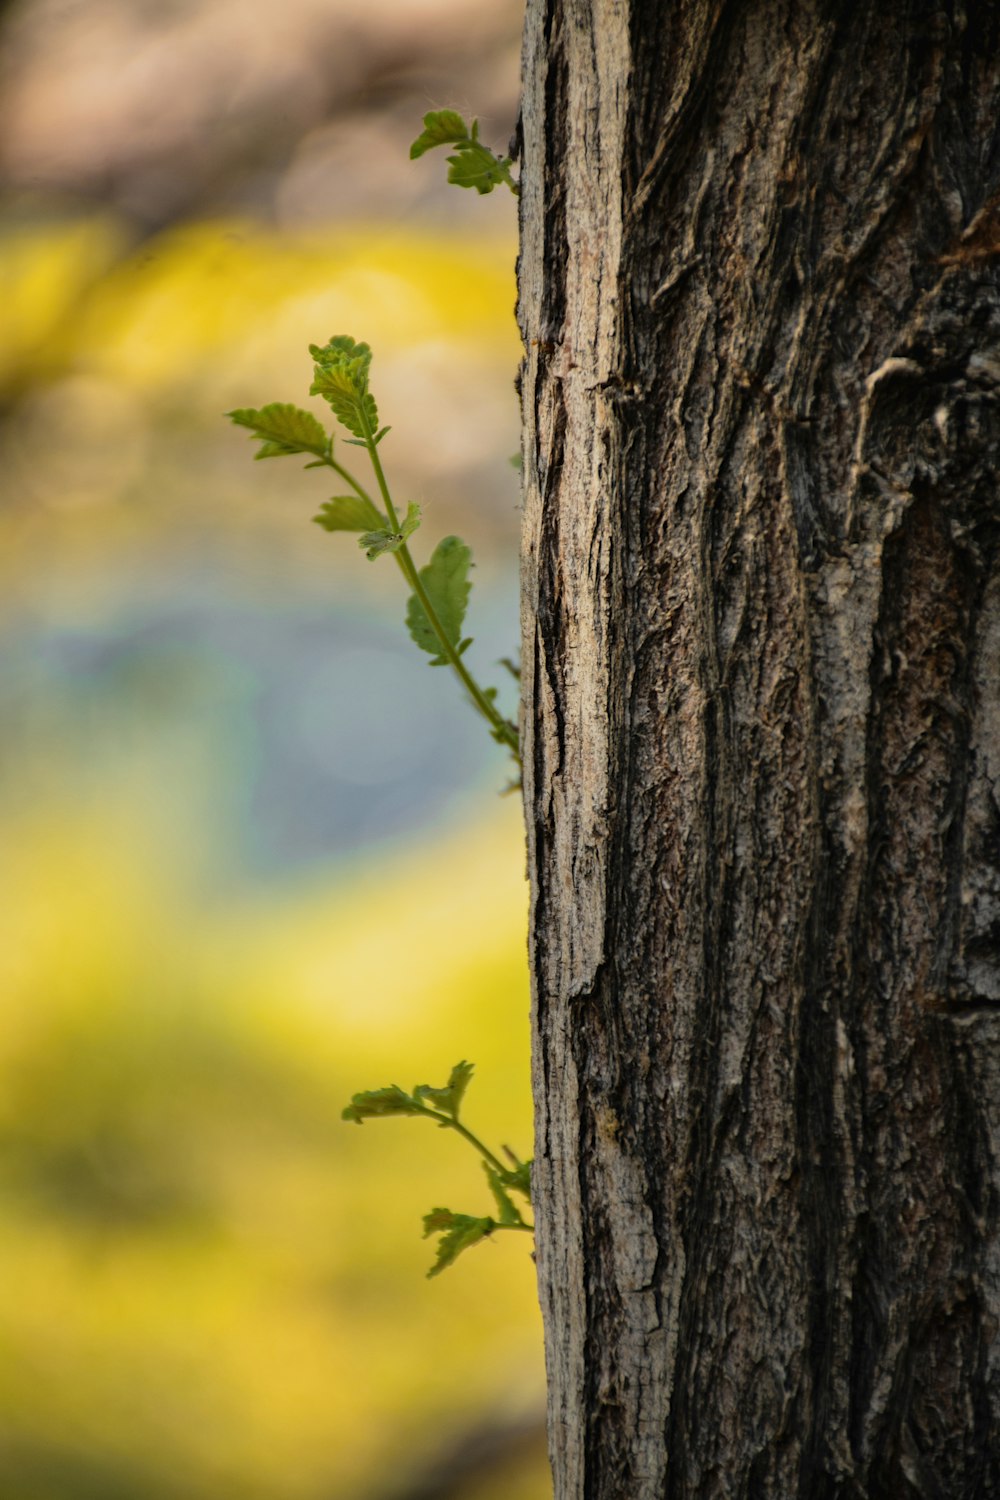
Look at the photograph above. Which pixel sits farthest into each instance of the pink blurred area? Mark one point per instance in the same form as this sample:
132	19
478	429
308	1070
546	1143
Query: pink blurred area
296	111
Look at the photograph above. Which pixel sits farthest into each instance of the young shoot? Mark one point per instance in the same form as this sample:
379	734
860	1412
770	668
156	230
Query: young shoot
442	1105
435	611
473	165
435	617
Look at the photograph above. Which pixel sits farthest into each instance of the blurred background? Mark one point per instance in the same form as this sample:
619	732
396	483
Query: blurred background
252	852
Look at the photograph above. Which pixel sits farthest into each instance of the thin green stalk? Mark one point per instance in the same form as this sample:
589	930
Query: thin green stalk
483	704
450	1123
409	571
355	486
473	1140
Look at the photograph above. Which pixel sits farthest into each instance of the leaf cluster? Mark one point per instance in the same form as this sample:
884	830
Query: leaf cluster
473	165
340	376
435	616
443	1105
436	608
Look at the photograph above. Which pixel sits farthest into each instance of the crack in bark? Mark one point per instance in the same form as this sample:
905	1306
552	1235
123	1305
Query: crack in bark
762	612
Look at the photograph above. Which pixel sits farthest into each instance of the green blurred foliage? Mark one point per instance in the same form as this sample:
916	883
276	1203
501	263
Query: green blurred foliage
210	1286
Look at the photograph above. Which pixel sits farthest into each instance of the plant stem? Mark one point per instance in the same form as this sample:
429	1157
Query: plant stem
350	479
450	1123
473	1140
504	731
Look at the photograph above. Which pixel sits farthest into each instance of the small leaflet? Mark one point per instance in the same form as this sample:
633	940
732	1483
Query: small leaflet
446	580
476	167
347	513
341	378
282	429
352	404
458	1232
519	1178
375	1104
449	1099
384	539
442	127
506	1212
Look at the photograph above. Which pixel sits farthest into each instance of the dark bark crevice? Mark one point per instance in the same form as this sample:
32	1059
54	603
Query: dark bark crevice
762	532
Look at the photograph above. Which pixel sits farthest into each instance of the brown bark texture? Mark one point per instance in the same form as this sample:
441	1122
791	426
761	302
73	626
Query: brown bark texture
760	298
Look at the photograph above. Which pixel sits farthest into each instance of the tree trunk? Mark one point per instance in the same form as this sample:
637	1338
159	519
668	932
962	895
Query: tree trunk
760	298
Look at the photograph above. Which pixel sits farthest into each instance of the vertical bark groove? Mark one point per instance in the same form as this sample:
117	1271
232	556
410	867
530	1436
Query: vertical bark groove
760	298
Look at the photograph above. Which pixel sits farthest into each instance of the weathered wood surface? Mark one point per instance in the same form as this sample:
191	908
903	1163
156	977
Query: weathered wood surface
760	297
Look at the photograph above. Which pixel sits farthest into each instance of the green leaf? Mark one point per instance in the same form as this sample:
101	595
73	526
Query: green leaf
339	348
347	513
506	1212
519	1178
282	429
375	1104
446	581
341	378
352	406
384	539
442	127
449	1099
476	166
458	1233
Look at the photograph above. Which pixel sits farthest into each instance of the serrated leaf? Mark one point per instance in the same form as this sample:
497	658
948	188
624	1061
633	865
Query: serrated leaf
282	429
411	520
506	1212
446	580
458	1232
438	1219
519	1179
384	539
347	513
341	377
442	127
373	1104
352	405
340	348
376	543
476	166
449	1099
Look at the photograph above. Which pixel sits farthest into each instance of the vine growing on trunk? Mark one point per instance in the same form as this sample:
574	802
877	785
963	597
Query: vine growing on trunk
435	618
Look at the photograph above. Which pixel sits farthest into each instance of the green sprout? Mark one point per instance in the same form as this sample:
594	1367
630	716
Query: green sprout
435	616
473	164
458	1231
435	612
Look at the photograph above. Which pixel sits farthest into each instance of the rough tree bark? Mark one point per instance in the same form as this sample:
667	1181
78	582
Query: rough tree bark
760	298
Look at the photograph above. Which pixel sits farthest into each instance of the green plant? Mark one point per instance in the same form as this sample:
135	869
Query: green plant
458	1231
435	616
473	164
436	609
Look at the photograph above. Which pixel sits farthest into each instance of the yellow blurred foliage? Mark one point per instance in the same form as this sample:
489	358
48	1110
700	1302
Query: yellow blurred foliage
210	1286
231	296
200	1259
45	271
